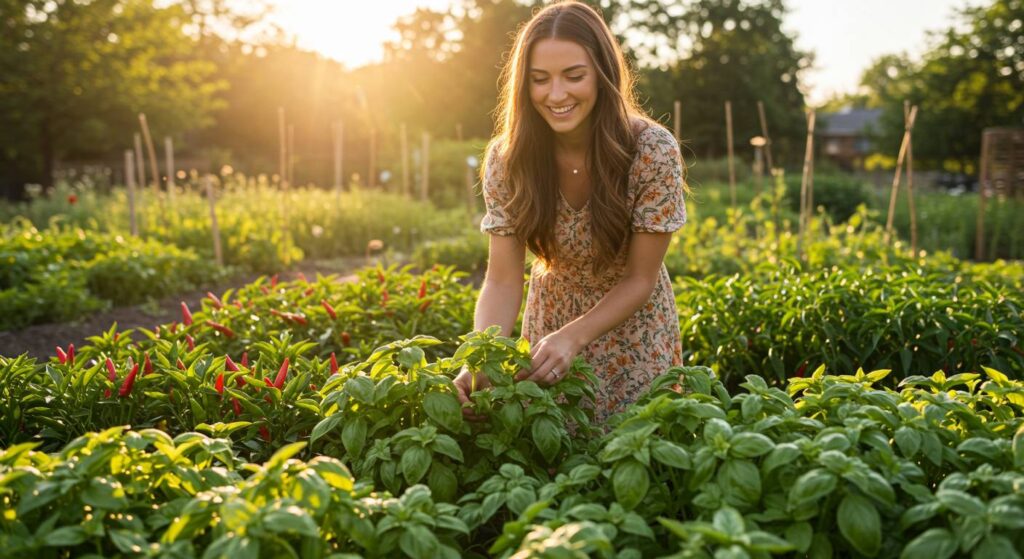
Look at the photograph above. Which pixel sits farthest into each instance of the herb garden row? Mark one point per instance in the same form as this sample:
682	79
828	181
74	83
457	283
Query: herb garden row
318	418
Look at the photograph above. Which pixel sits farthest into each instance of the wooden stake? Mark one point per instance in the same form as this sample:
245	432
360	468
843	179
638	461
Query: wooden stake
979	234
804	182
908	127
281	134
291	155
336	135
372	175
152	152
404	139
129	175
677	120
169	160
208	183
910	182
728	136
140	169
425	166
767	139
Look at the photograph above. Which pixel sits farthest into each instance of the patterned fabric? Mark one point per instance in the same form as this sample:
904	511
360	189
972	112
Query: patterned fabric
628	357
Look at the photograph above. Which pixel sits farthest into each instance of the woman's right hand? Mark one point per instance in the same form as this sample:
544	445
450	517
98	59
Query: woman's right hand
464	387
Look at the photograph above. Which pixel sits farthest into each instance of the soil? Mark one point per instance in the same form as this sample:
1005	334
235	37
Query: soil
40	340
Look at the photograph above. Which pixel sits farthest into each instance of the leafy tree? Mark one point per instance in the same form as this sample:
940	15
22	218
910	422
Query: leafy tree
77	73
972	77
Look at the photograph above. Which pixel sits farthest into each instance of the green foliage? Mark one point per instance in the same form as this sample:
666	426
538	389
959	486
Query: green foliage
62	273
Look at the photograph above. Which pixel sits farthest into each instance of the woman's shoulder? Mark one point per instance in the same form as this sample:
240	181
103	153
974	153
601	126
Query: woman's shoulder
654	144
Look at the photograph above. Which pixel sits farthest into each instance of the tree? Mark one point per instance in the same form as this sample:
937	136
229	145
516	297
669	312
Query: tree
77	72
970	78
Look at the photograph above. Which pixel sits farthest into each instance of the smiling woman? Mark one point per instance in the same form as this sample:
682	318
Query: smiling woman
584	179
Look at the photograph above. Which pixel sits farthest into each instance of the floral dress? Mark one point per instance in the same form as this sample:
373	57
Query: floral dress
630	356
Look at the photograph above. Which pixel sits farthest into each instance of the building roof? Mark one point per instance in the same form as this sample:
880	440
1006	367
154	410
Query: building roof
849	121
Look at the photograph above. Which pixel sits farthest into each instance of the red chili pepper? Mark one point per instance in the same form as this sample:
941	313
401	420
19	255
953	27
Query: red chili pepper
129	382
218	385
106	392
380	276
116	335
1017	350
191	342
221	328
281	375
180	365
173	327
264	289
800	370
334	364
237	405
239	305
974	342
186	315
72	199
949	344
71	354
423	289
170	394
216	300
61	356
265	433
329	309
229	364
268	382
302	277
273	280
425	305
111	372
147	366
384	296
346	339
312	387
308	291
245	359
293	317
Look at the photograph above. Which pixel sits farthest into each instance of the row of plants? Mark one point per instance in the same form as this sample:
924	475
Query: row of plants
262	228
62	273
377	460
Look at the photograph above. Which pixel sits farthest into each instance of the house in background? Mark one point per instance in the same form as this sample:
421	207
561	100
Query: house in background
844	136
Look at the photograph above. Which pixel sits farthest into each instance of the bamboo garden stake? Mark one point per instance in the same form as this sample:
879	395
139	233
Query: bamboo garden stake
208	183
767	139
152	152
910	182
129	176
169	160
908	127
404	140
805	182
728	141
140	168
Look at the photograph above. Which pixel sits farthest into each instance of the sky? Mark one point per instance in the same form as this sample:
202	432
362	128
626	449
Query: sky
846	35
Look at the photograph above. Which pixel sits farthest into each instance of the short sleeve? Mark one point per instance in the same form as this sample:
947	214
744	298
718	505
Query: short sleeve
496	196
659	205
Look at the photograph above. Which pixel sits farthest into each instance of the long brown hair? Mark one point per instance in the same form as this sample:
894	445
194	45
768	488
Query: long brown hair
525	143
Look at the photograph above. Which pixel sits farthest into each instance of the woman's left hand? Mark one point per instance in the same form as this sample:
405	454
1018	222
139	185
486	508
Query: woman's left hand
550	358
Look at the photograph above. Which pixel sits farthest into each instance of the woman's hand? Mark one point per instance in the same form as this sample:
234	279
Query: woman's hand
464	387
551	358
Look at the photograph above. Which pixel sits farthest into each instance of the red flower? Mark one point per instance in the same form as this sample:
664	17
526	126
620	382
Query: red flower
186	315
129	382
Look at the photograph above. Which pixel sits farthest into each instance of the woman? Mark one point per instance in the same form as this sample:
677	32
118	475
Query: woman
580	176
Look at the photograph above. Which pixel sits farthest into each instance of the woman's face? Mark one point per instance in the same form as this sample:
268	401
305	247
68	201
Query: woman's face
563	84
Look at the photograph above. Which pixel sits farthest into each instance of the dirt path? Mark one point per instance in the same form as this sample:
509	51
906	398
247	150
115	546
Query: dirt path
40	340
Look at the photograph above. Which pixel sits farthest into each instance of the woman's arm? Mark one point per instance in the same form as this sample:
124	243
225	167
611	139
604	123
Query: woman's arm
501	294
643	263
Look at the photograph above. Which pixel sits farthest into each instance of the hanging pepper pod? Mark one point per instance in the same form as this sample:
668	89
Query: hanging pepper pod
129	382
221	328
219	384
